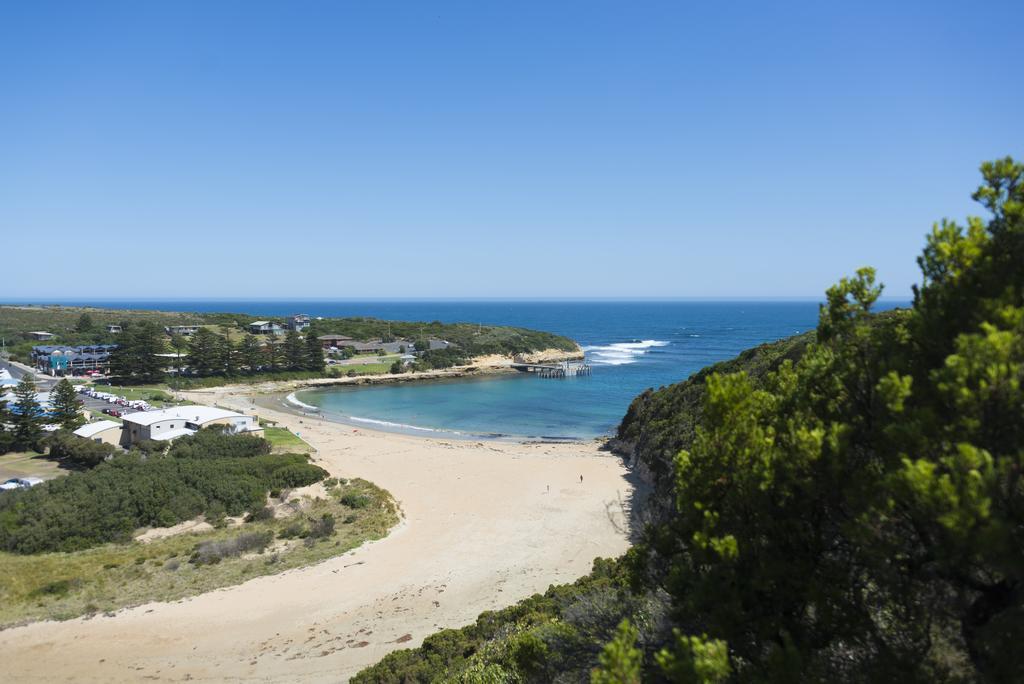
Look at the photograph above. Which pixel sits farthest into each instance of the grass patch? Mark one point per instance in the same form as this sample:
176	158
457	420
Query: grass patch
158	395
113	576
30	464
284	440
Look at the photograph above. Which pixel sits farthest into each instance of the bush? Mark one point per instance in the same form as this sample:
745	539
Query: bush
85	452
210	552
298	475
355	500
324	527
293	530
107	503
215	442
262	513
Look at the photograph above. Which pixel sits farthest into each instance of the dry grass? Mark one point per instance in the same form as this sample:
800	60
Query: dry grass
30	464
104	579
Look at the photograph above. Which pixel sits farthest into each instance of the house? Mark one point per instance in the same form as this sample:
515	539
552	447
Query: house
114	329
77	359
335	341
41	335
177	422
266	328
184	330
106	431
298	322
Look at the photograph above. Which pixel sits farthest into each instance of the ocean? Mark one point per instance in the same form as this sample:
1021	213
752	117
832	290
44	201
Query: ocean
631	345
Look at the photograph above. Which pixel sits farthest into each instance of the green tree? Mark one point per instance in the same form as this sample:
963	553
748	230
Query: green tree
135	360
27	417
294	351
228	355
65	406
6	436
314	353
250	354
84	323
620	660
274	354
860	510
180	345
206	353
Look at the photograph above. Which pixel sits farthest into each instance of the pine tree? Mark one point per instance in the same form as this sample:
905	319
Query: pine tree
65	406
273	354
6	437
249	353
294	351
135	360
314	353
27	415
206	353
84	324
228	355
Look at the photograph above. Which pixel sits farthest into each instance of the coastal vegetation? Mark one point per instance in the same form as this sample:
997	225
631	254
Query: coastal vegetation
302	530
209	473
844	506
221	346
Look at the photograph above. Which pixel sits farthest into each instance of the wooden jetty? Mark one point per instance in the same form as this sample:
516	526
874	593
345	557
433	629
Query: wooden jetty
565	369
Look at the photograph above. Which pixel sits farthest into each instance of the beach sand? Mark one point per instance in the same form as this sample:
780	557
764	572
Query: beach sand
486	524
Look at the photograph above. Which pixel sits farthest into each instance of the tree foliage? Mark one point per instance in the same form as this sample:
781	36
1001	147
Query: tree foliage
27	416
846	506
84	452
864	506
109	502
65	406
135	359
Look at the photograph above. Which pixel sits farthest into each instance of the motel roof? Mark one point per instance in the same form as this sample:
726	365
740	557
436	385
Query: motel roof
193	414
91	429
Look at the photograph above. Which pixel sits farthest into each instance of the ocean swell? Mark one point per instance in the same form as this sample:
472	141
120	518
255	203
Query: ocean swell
293	400
620	353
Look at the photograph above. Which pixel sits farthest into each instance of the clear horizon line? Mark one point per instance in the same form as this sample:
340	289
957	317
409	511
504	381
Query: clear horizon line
720	298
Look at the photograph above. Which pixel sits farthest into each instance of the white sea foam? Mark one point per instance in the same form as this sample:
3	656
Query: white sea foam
620	353
291	399
402	426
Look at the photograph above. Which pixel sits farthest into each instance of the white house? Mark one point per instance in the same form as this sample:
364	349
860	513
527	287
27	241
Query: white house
106	431
176	422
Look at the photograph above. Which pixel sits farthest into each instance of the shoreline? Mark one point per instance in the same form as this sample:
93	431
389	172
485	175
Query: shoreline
481	366
289	403
485	524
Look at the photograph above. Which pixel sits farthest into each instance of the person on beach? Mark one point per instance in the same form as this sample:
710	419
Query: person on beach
581	479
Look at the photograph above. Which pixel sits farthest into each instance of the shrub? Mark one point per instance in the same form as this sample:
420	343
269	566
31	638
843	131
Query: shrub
85	452
262	513
210	552
298	475
57	588
355	500
108	502
324	527
293	530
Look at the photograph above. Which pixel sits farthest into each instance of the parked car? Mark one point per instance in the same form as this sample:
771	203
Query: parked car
113	412
20	483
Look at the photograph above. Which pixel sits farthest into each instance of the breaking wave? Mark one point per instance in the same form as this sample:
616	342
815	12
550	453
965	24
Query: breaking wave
620	353
291	399
400	426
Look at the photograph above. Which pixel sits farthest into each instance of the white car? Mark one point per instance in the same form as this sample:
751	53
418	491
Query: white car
20	483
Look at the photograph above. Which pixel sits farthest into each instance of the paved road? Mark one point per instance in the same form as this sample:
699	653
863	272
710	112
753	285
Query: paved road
43	383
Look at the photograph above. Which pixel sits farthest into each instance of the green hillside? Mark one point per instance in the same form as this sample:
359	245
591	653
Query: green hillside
842	506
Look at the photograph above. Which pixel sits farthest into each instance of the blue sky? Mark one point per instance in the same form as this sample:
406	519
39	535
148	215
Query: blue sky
484	149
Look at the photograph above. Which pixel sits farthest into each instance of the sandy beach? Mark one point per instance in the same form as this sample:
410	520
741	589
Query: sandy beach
485	524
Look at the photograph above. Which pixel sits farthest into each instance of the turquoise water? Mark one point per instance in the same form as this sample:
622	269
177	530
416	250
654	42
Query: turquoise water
631	345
